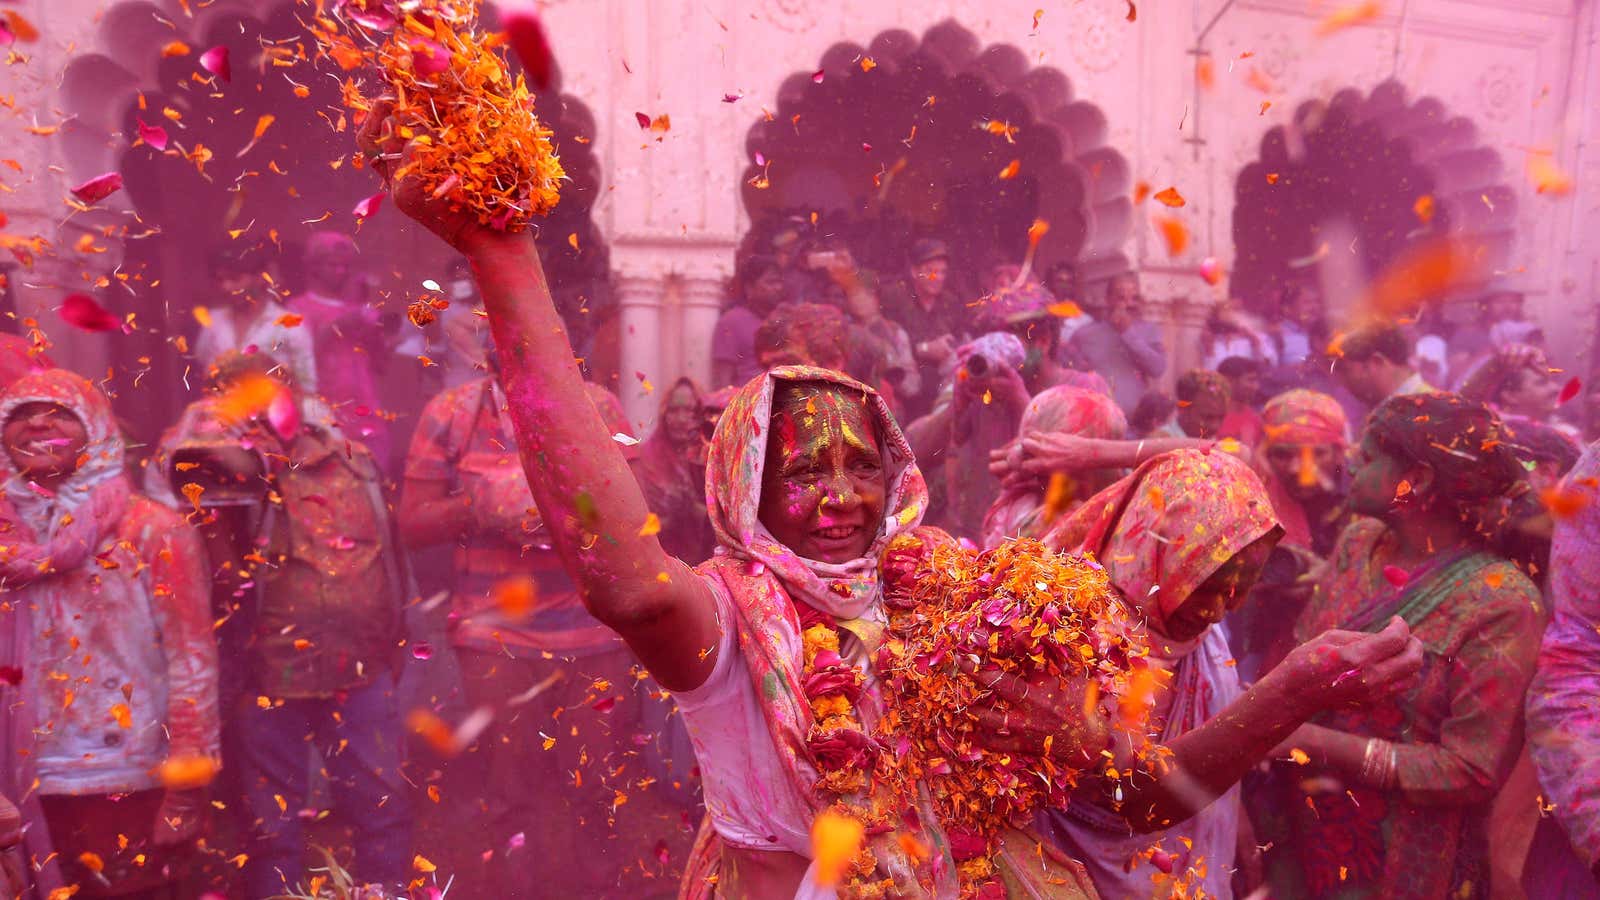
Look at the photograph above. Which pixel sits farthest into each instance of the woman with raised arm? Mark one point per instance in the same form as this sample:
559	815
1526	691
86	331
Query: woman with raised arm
808	477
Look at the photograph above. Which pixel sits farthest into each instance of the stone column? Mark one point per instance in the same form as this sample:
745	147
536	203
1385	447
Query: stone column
639	297
701	304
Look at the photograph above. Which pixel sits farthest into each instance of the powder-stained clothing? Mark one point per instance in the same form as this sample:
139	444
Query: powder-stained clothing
464	439
1457	732
324	614
750	720
1019	510
1160	533
350	349
1563	727
119	668
268	333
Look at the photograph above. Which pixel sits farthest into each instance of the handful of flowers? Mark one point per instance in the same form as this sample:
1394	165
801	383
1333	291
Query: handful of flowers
481	144
1050	619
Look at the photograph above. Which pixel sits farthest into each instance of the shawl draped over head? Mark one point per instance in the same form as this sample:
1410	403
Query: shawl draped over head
1160	533
1298	417
1163	530
733	495
674	484
1058	410
772	589
43	534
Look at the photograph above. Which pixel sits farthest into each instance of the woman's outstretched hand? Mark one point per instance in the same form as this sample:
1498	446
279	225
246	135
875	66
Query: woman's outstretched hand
393	158
1344	668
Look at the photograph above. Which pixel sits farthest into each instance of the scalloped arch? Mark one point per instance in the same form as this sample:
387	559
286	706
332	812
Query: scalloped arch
1365	158
859	155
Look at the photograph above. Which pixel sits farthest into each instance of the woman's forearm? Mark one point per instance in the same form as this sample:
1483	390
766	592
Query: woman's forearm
579	479
1204	763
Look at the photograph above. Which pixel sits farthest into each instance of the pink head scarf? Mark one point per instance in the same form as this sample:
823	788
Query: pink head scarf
733	494
1065	410
1297	417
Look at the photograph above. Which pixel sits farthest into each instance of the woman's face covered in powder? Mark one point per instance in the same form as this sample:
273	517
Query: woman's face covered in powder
823	485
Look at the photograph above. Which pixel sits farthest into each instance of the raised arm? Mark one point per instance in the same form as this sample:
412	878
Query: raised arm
580	482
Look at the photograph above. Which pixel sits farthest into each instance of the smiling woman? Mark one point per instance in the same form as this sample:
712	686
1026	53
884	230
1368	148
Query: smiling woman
822	489
44	441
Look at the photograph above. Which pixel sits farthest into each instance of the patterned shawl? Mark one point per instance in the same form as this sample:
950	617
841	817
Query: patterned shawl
1160	533
733	496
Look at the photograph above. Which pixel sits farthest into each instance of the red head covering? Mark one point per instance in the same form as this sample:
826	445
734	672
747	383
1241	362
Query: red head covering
1298	417
1062	409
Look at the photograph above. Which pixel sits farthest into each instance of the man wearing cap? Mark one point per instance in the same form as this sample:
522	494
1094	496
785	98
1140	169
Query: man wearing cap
933	316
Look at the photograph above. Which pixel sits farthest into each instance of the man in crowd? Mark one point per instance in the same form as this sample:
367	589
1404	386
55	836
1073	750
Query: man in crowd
758	288
351	345
1120	347
934	317
1373	362
315	626
248	318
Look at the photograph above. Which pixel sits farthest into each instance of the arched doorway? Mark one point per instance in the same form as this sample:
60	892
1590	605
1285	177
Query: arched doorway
1360	165
890	143
206	190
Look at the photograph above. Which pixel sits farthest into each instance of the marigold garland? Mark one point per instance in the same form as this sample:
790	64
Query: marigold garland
478	141
1030	612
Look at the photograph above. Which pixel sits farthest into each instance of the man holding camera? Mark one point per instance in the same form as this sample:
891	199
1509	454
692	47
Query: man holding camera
309	589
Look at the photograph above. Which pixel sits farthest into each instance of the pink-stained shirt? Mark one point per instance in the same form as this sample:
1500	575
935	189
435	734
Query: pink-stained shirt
1563	719
130	636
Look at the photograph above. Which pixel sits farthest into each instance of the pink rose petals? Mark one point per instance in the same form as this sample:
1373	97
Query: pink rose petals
154	135
98	188
216	62
81	311
370	205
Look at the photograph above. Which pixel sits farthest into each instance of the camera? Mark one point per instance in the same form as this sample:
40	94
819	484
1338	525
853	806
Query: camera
228	475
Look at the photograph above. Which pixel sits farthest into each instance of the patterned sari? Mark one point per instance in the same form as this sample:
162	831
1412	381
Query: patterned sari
1160	533
1457	733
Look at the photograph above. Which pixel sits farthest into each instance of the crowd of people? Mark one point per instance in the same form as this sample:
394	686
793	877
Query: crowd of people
528	654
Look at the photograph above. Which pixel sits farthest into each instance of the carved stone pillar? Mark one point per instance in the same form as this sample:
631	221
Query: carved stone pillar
701	305
639	298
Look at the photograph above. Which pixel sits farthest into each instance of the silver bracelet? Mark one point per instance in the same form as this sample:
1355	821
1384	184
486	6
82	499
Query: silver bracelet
1137	453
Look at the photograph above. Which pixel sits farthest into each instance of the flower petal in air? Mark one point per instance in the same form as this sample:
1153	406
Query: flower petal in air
82	311
154	135
99	187
367	207
216	62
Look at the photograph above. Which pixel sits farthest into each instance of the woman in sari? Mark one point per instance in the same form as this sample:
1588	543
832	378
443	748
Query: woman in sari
1020	510
1396	802
1182	540
671	470
809	478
